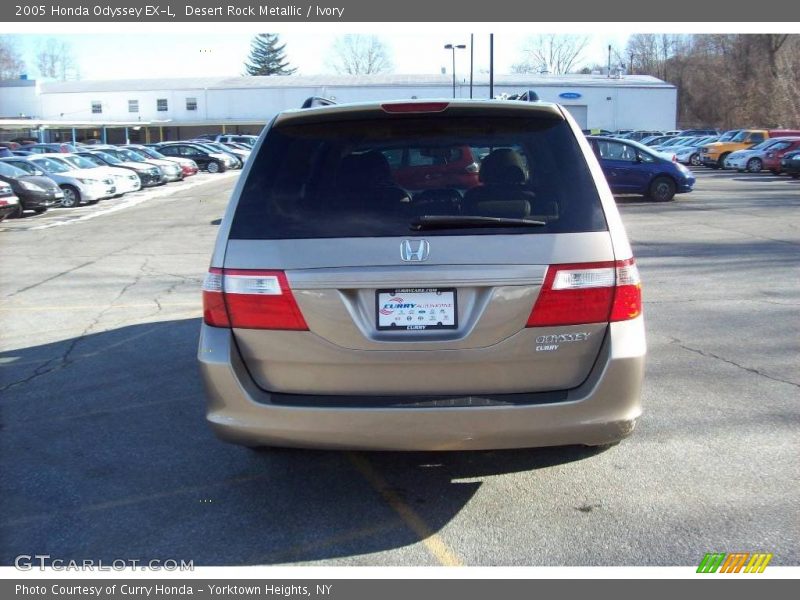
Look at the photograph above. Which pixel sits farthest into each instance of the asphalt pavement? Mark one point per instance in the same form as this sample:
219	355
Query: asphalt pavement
104	452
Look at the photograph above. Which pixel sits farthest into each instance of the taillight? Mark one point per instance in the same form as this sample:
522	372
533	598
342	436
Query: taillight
574	294
414	107
250	299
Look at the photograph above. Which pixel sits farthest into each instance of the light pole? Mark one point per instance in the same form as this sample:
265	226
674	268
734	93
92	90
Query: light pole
452	48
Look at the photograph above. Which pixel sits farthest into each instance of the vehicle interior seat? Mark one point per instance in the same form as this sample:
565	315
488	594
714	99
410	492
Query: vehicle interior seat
438	201
364	184
503	192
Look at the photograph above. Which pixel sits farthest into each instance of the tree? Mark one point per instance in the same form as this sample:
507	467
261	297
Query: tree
55	61
267	56
11	65
356	54
551	53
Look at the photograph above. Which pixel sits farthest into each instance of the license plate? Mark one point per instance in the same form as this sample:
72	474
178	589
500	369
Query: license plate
416	309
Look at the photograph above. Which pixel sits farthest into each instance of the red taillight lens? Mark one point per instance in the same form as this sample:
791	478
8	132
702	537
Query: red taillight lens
250	299
580	293
414	107
214	311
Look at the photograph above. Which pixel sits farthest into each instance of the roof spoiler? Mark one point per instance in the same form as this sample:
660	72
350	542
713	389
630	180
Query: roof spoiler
317	101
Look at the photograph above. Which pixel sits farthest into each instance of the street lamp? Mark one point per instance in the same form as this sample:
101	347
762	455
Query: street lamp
452	47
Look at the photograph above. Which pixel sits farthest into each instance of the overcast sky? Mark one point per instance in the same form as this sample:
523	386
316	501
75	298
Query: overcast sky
142	55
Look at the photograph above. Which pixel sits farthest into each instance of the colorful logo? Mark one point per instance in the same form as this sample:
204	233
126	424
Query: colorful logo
734	563
395	303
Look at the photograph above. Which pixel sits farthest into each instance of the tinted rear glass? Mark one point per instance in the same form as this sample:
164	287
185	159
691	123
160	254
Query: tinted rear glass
373	177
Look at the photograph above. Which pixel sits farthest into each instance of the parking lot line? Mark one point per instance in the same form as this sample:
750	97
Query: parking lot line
432	541
291	553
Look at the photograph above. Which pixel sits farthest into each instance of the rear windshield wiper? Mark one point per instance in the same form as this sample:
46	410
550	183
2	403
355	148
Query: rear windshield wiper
458	221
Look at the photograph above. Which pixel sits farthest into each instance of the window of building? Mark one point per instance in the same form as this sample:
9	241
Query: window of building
191	104
133	106
161	105
97	107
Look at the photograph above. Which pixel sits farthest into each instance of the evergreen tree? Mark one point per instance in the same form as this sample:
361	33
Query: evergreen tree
267	56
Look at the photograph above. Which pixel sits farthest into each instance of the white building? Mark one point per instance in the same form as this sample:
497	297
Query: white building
154	109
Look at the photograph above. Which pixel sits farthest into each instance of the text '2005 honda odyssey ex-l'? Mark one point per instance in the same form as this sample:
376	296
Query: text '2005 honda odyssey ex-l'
501	310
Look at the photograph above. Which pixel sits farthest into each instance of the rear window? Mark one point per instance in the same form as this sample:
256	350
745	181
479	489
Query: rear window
373	177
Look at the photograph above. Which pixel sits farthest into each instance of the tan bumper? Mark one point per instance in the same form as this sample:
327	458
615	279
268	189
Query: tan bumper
602	410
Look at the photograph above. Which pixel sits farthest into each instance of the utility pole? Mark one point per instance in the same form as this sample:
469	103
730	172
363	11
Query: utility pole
491	66
471	60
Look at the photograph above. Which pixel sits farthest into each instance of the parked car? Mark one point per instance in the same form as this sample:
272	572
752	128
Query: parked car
9	203
689	154
790	164
640	135
79	186
125	180
706	132
149	175
342	311
714	155
752	159
9	145
248	140
188	166
206	159
169	169
35	193
774	155
673	143
49	148
430	168
239	156
655	140
632	168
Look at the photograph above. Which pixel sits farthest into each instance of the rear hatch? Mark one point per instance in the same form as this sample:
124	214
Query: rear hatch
337	280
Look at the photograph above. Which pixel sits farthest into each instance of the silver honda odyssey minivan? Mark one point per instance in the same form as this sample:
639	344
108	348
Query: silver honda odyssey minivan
422	275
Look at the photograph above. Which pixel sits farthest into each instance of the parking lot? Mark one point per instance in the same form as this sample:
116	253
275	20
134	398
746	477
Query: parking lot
105	453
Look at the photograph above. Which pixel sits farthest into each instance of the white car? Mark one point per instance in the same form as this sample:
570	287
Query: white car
79	185
750	159
690	155
124	179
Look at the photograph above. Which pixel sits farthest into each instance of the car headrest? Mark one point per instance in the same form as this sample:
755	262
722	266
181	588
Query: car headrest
364	170
503	166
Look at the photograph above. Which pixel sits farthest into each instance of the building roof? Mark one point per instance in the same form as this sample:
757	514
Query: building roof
316	81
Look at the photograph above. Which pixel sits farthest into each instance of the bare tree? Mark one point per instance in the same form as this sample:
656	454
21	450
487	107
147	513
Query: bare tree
11	64
356	54
552	53
56	61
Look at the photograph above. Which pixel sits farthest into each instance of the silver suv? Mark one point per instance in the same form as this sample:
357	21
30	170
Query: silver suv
422	275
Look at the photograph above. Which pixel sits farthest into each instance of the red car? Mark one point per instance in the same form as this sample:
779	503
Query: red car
773	156
431	168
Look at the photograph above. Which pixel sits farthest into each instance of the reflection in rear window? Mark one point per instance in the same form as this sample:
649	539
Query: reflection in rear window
373	177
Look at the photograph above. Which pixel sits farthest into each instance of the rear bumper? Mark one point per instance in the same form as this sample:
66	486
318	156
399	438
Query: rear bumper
602	410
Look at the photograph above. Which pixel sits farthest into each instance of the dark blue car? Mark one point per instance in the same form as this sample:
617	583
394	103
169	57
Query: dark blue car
632	168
